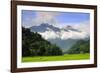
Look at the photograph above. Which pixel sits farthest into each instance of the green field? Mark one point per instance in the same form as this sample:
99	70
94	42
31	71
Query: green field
56	58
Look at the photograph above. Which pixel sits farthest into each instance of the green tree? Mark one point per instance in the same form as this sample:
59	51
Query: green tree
34	45
82	46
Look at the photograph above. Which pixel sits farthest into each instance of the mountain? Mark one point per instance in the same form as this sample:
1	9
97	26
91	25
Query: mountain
44	27
64	37
70	28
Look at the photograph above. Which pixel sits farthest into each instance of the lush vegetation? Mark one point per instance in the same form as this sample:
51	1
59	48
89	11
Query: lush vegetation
82	46
57	58
37	49
34	45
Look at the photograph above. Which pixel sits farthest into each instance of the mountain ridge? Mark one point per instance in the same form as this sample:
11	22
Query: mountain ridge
46	29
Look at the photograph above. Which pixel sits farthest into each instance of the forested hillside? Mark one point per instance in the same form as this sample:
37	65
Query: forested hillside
82	46
34	45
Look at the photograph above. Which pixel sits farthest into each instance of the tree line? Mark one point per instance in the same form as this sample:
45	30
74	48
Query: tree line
81	46
34	45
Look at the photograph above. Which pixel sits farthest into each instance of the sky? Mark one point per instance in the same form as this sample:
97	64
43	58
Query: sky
78	21
34	18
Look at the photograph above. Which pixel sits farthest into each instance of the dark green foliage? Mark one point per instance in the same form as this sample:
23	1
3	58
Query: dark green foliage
82	46
34	45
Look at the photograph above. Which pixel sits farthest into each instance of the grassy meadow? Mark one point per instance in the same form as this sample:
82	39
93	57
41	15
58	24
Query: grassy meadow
56	58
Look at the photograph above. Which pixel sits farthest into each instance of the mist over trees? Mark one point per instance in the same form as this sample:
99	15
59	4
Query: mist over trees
82	46
34	45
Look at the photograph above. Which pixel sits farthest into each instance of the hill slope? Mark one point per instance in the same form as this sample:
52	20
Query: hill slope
34	45
82	46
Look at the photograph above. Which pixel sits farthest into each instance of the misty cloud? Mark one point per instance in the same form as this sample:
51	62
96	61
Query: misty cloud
64	35
51	18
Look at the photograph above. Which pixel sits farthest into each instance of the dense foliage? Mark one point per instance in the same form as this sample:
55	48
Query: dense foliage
34	45
82	46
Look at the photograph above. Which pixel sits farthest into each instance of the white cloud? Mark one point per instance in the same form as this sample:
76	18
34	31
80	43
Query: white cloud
45	17
64	35
85	27
49	17
73	35
50	35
